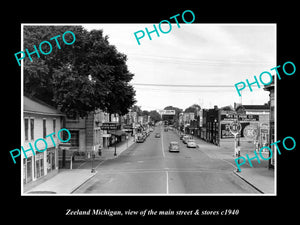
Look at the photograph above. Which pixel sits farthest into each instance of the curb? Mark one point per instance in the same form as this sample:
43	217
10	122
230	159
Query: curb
237	174
78	186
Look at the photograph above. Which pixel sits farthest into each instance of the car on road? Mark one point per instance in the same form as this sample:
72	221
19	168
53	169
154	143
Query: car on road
140	139
174	146
186	138
191	143
157	135
181	136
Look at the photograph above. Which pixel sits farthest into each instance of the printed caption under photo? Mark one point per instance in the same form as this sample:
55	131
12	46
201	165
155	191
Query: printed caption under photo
150	212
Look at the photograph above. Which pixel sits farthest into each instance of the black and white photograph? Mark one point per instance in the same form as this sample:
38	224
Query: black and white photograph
168	114
155	118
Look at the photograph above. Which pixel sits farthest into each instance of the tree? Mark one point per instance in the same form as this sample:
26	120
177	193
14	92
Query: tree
155	116
137	109
81	77
193	108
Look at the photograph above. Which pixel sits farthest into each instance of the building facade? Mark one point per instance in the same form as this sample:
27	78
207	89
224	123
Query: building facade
39	120
271	89
87	138
255	116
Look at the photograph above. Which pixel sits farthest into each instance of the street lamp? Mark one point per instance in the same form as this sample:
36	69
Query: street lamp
115	154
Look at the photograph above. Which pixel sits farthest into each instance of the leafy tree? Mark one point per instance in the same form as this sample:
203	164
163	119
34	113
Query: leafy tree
193	108
137	109
81	77
155	116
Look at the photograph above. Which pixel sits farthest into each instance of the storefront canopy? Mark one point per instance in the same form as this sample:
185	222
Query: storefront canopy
117	132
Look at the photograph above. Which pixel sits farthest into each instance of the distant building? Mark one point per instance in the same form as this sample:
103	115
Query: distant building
86	136
212	125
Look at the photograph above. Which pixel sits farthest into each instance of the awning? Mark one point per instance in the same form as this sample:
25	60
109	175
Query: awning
117	132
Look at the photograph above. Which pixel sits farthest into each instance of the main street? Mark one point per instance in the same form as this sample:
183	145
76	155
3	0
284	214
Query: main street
149	168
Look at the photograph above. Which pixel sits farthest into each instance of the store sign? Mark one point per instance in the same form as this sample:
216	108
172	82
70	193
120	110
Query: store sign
127	126
235	128
225	131
110	126
244	118
250	132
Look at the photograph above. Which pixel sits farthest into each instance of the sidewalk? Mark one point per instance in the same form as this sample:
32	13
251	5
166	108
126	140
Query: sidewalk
259	176
66	181
108	153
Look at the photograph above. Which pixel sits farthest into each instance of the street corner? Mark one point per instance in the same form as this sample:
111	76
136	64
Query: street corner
259	178
84	180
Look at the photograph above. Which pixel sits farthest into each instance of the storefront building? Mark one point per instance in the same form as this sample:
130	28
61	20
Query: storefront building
256	116
39	120
271	89
87	138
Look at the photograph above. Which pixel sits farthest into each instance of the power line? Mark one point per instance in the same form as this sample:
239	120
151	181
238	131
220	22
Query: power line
185	85
196	61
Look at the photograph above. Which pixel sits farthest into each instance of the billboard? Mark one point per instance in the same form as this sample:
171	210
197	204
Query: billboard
167	112
232	117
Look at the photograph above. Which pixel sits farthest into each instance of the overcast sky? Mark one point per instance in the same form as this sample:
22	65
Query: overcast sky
195	54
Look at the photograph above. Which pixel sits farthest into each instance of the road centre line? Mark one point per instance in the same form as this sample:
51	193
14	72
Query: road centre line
162	144
167	186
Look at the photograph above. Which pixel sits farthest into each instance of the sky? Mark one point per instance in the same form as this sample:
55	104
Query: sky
211	57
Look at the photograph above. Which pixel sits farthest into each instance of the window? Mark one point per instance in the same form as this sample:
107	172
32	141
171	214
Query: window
32	129
54	126
39	165
74	138
26	128
44	128
29	169
24	170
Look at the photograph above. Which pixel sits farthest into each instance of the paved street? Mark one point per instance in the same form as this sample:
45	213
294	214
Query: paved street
149	168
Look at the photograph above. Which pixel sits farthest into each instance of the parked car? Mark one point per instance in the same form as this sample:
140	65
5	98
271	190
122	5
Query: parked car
157	135
186	138
140	139
174	146
191	143
145	135
181	136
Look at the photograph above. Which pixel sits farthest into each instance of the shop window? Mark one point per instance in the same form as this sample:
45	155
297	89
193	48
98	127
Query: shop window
50	161
39	165
24	170
29	169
